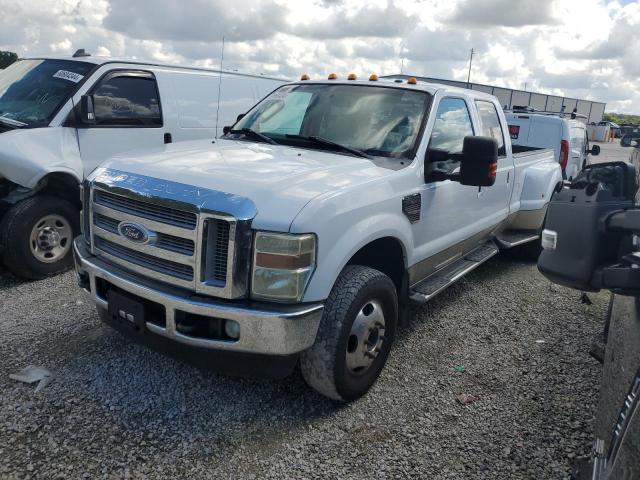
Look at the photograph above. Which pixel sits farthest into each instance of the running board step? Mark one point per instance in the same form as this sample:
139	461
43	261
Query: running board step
513	238
434	284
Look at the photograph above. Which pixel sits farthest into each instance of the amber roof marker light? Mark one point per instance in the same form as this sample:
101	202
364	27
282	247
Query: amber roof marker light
373	77
332	76
352	76
412	81
305	77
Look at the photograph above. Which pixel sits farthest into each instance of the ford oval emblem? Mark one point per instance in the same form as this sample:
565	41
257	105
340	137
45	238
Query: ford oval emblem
134	232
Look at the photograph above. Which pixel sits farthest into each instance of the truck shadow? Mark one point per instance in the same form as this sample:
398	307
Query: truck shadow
492	269
9	280
139	394
117	364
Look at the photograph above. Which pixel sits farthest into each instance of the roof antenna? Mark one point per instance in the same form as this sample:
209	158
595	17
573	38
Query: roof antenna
219	85
81	53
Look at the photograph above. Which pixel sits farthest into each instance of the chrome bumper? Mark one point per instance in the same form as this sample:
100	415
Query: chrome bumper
272	330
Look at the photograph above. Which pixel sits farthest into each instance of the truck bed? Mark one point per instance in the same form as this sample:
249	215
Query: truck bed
523	150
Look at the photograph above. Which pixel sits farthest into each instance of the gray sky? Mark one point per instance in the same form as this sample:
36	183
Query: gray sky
579	48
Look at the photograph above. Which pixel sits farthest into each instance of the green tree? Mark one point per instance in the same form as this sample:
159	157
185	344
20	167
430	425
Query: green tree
7	58
621	118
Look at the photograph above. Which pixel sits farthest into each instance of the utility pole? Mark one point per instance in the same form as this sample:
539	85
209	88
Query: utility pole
469	75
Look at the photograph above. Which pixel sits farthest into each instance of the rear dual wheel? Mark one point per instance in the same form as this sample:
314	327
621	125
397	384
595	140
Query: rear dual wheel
355	335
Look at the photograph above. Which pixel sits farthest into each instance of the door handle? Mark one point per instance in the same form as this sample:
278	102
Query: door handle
167	138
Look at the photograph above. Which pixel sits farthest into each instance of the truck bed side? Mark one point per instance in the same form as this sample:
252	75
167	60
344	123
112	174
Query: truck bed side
536	175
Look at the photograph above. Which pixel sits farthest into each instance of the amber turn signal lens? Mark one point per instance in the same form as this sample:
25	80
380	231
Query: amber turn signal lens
304	77
373	77
287	262
352	76
412	81
332	76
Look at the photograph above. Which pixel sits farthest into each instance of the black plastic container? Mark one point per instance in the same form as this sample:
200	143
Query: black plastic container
579	214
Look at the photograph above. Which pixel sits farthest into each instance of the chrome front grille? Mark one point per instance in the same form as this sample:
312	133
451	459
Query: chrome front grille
168	215
190	249
164	241
157	264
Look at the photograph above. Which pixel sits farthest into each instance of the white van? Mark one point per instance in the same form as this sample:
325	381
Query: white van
565	136
61	117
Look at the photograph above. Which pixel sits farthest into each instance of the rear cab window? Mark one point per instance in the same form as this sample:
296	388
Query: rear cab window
128	99
490	125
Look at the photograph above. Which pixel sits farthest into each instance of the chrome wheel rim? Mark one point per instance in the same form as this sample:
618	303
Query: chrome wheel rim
51	238
366	337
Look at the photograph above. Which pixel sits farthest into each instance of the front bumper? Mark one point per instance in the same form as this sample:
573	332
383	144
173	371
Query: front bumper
265	329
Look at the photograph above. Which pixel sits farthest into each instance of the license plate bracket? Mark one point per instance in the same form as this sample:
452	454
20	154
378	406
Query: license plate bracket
126	310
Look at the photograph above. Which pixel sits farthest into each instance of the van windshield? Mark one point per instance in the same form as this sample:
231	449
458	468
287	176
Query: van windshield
32	91
378	121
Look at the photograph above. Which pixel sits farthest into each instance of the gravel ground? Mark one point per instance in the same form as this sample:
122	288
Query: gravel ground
117	410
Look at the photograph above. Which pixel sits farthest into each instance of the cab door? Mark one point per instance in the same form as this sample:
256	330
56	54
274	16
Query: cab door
128	115
494	200
451	224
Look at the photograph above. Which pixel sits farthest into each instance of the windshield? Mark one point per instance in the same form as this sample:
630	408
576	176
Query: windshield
32	91
375	120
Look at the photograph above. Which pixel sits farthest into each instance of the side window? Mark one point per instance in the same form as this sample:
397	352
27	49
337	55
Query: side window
452	124
130	100
490	124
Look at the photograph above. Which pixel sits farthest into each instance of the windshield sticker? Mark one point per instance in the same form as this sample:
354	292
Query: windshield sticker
66	75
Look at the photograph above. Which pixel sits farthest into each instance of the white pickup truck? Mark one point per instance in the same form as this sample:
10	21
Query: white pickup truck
303	235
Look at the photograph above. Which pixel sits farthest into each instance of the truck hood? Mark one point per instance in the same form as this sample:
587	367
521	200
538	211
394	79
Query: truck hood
280	180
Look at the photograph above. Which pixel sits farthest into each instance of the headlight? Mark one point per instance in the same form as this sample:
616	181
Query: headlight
282	265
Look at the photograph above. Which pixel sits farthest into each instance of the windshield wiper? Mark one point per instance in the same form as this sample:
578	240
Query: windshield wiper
329	143
255	135
9	122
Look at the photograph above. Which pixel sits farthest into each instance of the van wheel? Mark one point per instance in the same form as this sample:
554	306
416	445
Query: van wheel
355	335
37	235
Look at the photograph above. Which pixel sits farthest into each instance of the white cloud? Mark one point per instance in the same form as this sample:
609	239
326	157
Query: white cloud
578	48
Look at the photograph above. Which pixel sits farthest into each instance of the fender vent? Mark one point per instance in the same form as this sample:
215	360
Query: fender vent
411	205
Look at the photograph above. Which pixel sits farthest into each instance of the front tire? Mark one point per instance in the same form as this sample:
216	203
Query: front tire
37	235
355	335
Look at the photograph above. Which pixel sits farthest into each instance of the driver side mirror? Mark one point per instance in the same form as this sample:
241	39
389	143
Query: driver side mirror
595	150
240	117
87	110
479	162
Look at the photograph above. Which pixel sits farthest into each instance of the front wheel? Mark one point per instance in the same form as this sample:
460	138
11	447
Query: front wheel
355	335
37	235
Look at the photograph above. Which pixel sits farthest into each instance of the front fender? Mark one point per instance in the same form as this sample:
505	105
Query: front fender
28	155
347	231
